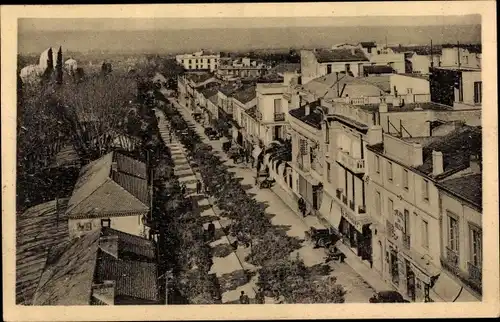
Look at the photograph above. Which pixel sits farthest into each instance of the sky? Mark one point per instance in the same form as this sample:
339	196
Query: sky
78	24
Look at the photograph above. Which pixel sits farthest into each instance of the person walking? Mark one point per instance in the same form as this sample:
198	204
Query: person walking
183	188
259	297
198	186
302	207
244	299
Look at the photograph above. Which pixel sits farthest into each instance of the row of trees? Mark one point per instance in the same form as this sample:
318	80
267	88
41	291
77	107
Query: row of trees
270	245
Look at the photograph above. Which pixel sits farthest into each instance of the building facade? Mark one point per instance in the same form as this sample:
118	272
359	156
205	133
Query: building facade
199	61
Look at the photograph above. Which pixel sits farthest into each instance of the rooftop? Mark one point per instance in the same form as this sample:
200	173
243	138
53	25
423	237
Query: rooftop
407	107
38	229
210	91
415	75
245	94
472	48
314	118
73	267
469	187
213	99
339	55
272	77
457	147
368	44
326	86
229	88
286	68
378	69
199	77
100	188
424	50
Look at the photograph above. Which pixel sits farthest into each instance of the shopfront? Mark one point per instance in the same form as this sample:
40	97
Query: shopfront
356	234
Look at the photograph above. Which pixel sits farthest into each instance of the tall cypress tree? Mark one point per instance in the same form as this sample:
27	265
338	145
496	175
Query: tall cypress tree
50	66
59	69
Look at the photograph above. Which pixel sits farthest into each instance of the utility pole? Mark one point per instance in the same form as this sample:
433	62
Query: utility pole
458	53
432	56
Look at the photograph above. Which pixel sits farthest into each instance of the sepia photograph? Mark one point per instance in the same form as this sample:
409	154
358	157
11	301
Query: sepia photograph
181	161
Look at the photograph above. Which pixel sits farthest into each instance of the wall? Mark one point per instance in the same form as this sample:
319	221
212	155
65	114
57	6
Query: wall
466	216
356	68
309	66
468	79
449	58
128	224
415	122
421	63
402	83
266	94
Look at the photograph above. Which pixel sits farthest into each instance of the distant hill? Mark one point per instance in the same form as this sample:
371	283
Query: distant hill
171	41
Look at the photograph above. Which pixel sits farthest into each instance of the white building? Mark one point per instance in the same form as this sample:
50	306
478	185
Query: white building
461	56
199	61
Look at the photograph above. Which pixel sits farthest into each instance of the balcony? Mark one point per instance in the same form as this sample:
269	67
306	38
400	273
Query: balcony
356	165
406	241
475	272
279	117
452	257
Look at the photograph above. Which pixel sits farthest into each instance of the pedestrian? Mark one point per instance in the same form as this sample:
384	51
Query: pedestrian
259	297
183	188
211	231
198	186
244	298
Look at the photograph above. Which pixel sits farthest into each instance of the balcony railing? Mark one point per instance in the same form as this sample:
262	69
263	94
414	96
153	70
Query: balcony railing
452	257
278	117
390	228
475	272
356	165
406	241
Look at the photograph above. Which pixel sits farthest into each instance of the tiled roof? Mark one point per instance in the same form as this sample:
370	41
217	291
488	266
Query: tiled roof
339	55
73	267
37	230
210	91
229	89
469	187
68	274
456	147
245	94
314	118
286	68
100	190
378	69
132	278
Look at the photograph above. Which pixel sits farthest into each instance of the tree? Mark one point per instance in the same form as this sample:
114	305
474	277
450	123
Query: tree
59	67
47	74
79	75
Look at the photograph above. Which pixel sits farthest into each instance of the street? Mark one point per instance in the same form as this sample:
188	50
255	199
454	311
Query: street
357	289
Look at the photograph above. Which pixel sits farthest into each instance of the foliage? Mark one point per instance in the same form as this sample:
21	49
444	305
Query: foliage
197	286
59	67
293	280
106	69
272	247
233	280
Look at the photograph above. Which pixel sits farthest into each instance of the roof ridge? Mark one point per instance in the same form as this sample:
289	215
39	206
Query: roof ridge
90	194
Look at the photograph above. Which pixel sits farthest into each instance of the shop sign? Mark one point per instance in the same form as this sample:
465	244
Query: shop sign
350	218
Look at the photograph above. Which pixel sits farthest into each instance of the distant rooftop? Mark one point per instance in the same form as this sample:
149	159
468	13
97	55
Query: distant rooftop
472	48
314	118
339	55
245	94
286	68
424	50
199	77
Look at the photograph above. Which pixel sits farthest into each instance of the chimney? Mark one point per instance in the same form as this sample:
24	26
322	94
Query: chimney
382	108
375	135
418	157
109	245
104	292
307	109
437	163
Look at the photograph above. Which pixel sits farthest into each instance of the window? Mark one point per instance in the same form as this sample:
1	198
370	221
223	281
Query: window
478	92
190	61
378	203
475	246
453	242
425	234
409	90
377	164
328	172
389	171
106	222
425	189
406	221
329	69
390	207
327	135
277	105
405	179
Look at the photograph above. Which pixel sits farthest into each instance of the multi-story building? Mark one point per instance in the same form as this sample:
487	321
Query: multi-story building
404	175
457	87
319	62
419	59
201	60
243	99
189	82
461	56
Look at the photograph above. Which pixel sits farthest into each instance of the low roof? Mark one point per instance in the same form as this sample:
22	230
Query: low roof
245	94
456	147
101	190
468	187
314	118
38	229
339	55
75	266
286	68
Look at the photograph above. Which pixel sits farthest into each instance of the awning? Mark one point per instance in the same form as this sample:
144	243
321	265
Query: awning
329	212
447	289
256	151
